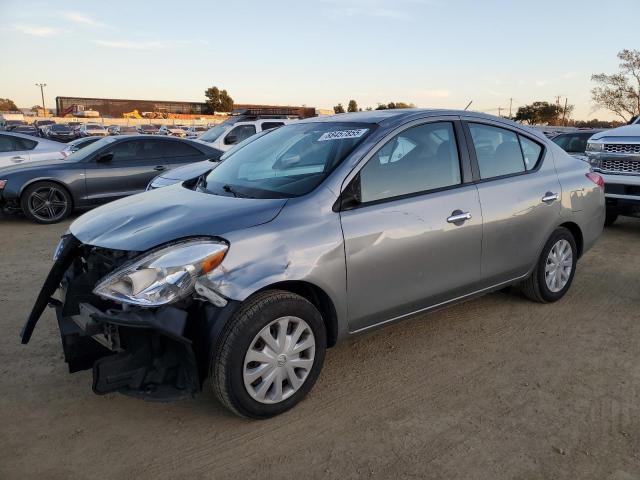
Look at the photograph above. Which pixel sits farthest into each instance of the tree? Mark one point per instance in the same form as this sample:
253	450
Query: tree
390	105
620	92
338	108
218	100
542	113
353	106
7	105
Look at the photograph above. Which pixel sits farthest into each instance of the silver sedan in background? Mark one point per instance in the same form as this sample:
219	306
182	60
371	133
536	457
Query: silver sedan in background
17	148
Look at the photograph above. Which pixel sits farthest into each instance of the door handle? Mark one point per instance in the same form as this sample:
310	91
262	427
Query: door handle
17	159
160	168
459	217
549	197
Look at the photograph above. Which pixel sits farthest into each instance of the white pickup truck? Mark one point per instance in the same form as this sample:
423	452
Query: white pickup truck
238	128
615	154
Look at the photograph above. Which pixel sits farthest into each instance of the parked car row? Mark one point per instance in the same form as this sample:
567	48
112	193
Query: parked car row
303	236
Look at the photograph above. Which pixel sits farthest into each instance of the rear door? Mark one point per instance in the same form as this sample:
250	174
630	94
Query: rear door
134	163
413	238
520	197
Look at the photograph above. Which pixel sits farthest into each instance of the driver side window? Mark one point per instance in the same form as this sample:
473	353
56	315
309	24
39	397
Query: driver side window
421	158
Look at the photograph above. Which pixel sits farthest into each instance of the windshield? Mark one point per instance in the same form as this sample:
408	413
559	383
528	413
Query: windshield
60	128
212	134
289	162
94	126
89	150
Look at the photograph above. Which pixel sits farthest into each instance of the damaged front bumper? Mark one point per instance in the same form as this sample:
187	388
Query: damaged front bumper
152	353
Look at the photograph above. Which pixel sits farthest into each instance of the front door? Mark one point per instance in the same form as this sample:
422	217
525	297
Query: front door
133	165
413	237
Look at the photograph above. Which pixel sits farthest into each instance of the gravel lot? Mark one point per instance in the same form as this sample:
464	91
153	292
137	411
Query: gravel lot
494	388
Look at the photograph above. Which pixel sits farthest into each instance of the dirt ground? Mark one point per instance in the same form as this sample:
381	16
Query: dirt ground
494	388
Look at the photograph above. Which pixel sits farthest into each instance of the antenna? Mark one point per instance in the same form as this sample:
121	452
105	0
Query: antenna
468	104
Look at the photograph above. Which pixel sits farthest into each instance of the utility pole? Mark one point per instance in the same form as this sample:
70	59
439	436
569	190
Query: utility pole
564	111
499	111
510	106
42	85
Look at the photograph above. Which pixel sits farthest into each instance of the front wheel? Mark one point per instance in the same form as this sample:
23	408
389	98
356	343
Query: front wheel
554	271
270	354
46	202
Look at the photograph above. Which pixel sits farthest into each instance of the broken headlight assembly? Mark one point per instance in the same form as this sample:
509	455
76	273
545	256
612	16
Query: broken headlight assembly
164	275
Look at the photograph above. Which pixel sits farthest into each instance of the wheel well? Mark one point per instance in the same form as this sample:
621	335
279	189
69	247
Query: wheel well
319	299
577	235
46	180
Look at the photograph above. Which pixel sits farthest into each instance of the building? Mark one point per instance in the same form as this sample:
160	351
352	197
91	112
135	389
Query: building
116	108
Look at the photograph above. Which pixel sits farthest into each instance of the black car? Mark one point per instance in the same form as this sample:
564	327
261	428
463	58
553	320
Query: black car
60	132
109	168
575	143
25	130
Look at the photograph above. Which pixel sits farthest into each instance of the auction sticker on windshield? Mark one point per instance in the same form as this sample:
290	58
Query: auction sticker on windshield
340	134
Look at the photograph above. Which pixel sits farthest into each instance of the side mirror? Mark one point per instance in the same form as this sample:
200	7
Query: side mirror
230	140
105	157
350	197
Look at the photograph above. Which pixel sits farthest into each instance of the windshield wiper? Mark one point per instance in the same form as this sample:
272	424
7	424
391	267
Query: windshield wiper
229	189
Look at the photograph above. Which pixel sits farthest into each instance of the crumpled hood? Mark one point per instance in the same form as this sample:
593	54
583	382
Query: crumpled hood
624	131
149	219
190	171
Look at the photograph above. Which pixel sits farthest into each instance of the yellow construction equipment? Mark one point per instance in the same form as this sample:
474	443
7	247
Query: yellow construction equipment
133	114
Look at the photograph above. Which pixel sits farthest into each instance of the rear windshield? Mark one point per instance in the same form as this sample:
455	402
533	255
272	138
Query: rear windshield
288	162
60	128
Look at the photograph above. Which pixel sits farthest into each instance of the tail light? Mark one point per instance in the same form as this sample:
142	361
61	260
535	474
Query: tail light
597	179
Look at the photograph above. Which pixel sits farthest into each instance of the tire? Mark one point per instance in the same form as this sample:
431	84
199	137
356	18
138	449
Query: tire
230	368
35	207
610	219
536	287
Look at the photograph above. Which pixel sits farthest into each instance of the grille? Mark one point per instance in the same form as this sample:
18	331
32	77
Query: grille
623	166
622	148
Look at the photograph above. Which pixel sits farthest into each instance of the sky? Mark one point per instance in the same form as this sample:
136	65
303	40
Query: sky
434	53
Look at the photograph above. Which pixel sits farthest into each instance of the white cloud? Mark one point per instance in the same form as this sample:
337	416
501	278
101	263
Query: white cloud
38	30
541	83
80	18
129	45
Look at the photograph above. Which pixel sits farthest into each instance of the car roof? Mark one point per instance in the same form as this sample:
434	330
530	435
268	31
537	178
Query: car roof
396	117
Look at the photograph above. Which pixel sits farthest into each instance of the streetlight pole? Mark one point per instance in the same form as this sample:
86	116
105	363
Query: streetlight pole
42	85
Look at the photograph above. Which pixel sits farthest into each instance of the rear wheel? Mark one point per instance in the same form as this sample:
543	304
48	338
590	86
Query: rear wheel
46	202
269	355
554	271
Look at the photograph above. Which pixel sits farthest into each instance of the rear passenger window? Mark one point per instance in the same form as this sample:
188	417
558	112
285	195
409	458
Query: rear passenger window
531	151
497	150
416	160
270	125
176	149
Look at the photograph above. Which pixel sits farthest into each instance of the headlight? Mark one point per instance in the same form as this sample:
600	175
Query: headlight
60	246
595	147
164	275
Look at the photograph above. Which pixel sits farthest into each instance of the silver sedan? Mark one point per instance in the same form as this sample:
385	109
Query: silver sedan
307	236
16	148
